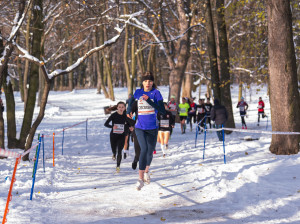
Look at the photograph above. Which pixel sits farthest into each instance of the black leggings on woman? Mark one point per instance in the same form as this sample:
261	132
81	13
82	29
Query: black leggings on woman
117	143
137	147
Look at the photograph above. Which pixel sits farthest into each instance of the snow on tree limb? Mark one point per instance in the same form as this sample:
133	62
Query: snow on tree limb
80	60
8	49
18	22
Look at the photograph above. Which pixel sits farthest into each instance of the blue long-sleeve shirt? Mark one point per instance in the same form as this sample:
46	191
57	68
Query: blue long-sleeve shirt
147	109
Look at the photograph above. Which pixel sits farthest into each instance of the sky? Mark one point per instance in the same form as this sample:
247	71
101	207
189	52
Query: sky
254	186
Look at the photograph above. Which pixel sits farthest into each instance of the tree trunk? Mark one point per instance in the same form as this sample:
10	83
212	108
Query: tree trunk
39	118
283	78
212	52
178	69
27	63
10	114
133	60
37	33
141	63
188	81
125	56
224	63
99	64
71	74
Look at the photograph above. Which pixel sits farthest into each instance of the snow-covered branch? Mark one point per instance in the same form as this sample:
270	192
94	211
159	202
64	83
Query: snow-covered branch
18	22
245	70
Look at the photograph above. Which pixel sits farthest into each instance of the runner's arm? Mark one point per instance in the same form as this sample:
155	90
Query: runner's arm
106	124
129	108
159	107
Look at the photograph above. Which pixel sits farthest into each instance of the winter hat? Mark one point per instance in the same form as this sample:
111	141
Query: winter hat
147	76
242	98
173	97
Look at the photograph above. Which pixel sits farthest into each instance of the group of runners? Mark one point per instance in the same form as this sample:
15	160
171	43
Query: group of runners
138	122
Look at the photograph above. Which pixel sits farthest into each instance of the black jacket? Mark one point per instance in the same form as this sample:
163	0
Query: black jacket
218	113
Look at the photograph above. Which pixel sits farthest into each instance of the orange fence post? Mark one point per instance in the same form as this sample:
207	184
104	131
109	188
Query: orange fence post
53	147
13	179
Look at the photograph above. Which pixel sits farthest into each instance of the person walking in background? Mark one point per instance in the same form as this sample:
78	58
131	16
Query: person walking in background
173	108
243	110
166	122
219	115
208	107
201	113
261	110
149	102
183	113
117	135
192	113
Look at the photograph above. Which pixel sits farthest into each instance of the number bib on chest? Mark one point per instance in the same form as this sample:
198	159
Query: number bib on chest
144	108
172	106
182	110
200	110
119	129
164	123
242	109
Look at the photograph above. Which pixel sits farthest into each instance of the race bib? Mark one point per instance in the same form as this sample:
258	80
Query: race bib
182	110
242	109
144	108
119	129
164	123
172	106
260	106
200	110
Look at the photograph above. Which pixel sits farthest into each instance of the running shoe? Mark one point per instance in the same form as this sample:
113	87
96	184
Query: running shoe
114	157
139	184
147	178
118	169
245	127
164	155
242	127
125	155
167	146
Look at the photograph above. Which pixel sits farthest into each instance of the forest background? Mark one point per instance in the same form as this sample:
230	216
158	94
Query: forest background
65	45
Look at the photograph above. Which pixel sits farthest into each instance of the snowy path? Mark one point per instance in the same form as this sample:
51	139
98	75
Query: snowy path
83	187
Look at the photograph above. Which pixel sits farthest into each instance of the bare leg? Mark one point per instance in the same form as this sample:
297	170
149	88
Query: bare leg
159	137
126	142
141	174
166	138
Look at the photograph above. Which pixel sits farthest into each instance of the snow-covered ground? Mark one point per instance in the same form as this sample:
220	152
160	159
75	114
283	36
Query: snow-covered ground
254	186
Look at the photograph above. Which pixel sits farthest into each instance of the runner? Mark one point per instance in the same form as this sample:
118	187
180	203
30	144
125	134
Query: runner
201	110
219	115
173	108
208	107
149	103
117	134
183	113
166	122
192	113
243	111
261	111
